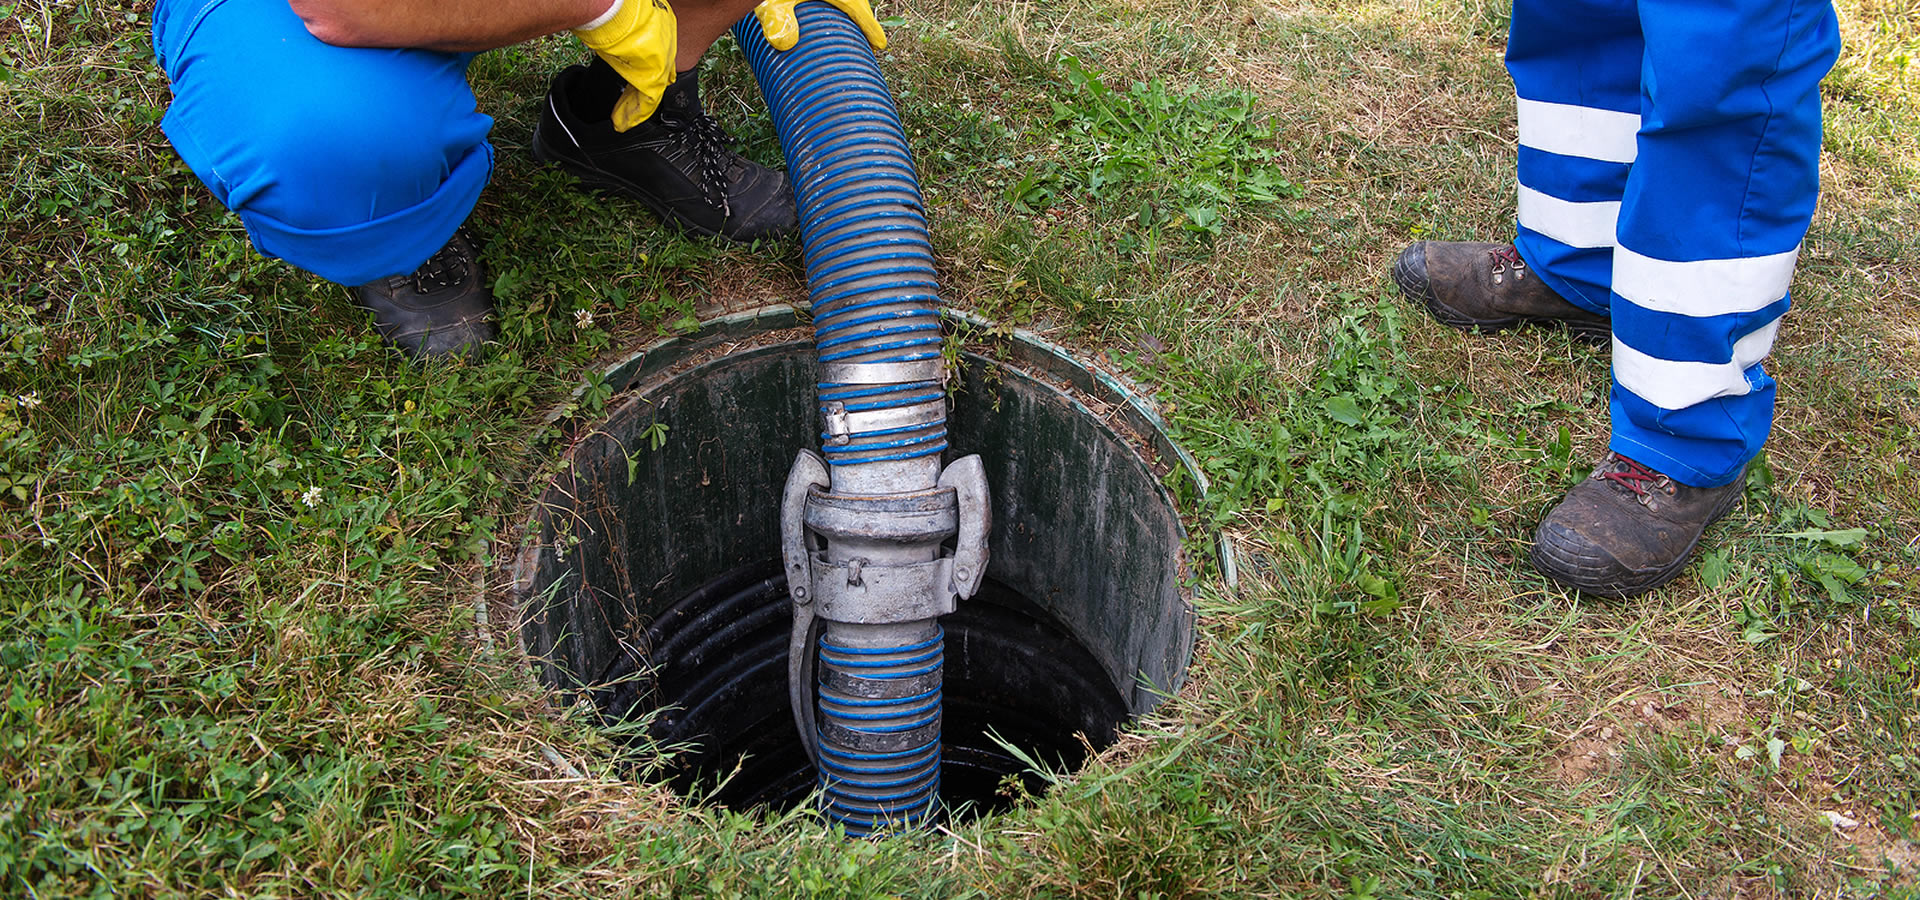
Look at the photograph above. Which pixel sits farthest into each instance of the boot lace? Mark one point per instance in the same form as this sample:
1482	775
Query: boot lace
446	268
1507	259
713	148
1636	478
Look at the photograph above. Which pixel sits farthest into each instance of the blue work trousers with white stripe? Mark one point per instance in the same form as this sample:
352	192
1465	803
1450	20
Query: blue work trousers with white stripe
352	163
1668	167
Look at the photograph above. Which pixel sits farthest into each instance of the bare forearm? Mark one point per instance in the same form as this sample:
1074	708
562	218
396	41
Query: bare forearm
475	25
702	22
452	25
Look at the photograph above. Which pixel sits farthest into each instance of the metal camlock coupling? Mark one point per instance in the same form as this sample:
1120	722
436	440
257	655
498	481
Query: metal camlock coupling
875	560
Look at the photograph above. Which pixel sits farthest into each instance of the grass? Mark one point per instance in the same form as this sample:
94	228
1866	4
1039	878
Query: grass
241	540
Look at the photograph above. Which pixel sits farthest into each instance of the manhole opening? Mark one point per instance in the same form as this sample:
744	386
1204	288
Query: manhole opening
717	685
649	576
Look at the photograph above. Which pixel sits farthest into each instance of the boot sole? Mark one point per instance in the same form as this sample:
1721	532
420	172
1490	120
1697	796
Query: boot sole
1415	285
1559	565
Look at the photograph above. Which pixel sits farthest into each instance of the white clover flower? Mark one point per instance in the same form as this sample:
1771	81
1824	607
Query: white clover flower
28	400
583	318
312	497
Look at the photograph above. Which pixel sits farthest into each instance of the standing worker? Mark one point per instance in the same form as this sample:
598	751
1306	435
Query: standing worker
344	134
1668	167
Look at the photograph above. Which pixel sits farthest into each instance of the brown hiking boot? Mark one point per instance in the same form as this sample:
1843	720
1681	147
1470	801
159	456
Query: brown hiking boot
1627	529
442	309
1488	287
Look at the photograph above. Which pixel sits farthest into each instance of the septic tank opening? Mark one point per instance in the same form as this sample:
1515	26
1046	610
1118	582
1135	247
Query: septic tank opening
649	579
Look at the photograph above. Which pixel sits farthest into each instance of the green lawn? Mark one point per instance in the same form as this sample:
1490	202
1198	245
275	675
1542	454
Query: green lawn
240	540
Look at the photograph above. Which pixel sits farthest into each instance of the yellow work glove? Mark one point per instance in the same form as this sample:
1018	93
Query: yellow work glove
640	39
782	27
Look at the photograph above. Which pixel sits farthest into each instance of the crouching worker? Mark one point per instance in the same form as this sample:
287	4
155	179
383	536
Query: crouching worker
344	134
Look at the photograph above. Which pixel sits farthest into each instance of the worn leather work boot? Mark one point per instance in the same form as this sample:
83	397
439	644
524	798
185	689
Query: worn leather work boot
678	163
442	309
1627	529
1488	287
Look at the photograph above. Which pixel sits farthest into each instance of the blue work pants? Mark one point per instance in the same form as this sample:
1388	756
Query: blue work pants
354	164
1668	166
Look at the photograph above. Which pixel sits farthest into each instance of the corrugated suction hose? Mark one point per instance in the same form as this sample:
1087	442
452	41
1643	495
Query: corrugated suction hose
876	311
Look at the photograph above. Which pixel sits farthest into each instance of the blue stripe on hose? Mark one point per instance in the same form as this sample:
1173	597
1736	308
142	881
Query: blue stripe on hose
918	788
914	773
893	358
827	439
854	662
909	357
849	303
922	393
917	779
847	392
893	808
890	168
850	445
864	708
832	709
882	231
914	400
838	394
852	792
891	445
852	702
902	675
817	112
895	176
875	447
939	437
909	809
825	304
929	758
876	329
831	769
819	109
888	195
858	723
830	750
835	283
862	211
938	640
832	293
917	793
876	324
829	311
891	250
824	437
882	348
930	451
859	341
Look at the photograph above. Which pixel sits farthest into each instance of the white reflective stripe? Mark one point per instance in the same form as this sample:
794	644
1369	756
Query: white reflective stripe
1709	287
1581	131
1678	385
1570	223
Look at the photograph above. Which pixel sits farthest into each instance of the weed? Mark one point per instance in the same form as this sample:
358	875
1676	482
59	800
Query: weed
1317	459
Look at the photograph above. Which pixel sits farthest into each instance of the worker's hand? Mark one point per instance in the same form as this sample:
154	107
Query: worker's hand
640	39
782	27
